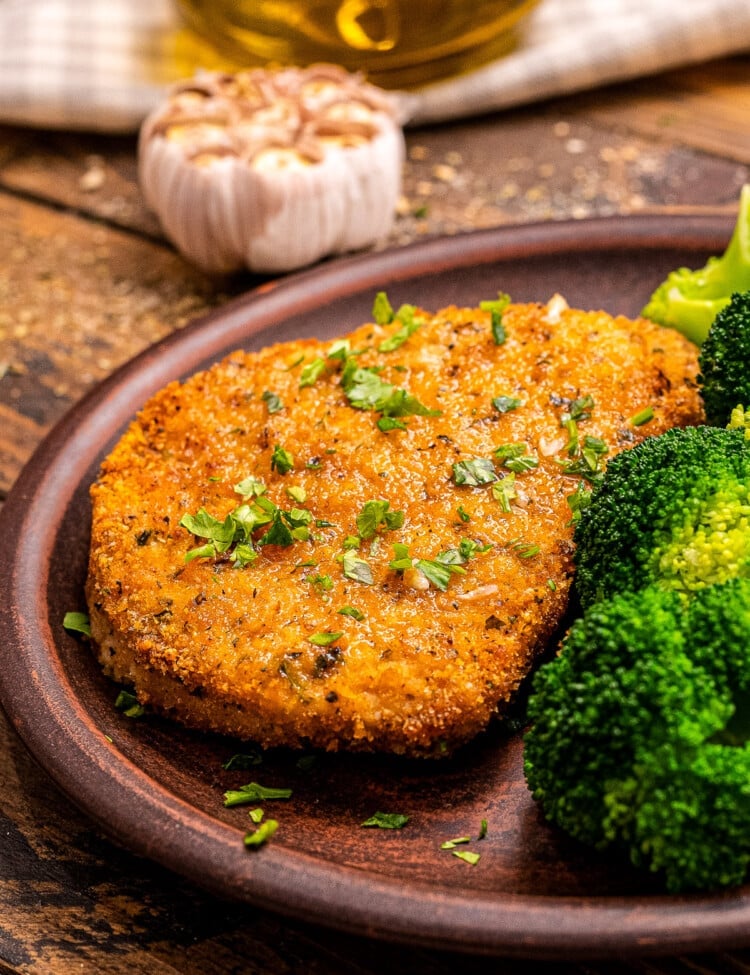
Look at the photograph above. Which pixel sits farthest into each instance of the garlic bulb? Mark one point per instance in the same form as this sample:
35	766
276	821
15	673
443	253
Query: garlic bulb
272	170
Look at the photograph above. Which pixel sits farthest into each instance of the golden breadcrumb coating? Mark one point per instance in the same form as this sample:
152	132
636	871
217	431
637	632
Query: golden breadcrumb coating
418	663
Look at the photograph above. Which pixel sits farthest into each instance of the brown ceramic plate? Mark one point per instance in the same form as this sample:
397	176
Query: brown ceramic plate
158	788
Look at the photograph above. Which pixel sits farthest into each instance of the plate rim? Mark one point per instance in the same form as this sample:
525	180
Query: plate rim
358	901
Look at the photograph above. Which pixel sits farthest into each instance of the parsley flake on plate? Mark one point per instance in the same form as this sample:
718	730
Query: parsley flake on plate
262	834
76	622
382	820
253	792
129	705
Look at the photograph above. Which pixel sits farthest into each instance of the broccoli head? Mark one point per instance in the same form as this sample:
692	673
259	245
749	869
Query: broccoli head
690	300
637	741
724	359
673	511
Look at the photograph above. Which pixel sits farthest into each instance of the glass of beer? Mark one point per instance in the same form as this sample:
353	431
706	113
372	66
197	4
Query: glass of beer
395	43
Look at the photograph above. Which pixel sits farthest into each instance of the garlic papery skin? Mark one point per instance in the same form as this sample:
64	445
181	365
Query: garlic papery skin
272	170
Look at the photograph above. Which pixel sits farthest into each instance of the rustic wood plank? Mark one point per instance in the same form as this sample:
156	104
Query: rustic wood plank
77	299
705	108
92	174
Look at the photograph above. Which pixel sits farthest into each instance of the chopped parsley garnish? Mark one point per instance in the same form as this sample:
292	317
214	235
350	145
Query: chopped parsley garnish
298	494
376	515
253	792
238	527
474	472
578	501
77	623
468	548
579	409
287	527
272	401
356	568
221	534
324	639
312	372
438	571
463	514
498	329
341	349
586	464
129	705
401	560
321	583
388	423
387	820
504	491
281	460
250	487
382	312
515	458
643	416
496	309
365	390
356	614
262	834
524	550
505	404
508	451
409	325
243	760
459	840
586	452
573	443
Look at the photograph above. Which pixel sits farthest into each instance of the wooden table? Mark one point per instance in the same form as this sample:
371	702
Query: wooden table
87	281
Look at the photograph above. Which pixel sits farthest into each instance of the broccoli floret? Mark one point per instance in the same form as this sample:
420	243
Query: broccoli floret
724	359
634	743
673	511
690	300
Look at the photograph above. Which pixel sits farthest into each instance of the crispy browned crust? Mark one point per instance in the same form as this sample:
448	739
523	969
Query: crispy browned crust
228	649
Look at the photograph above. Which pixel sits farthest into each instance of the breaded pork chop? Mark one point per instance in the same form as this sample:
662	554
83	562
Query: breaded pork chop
365	543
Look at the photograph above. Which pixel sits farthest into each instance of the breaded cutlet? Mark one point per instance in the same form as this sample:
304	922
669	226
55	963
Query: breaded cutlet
418	485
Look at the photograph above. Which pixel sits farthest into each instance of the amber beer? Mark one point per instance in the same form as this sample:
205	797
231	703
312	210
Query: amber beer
397	43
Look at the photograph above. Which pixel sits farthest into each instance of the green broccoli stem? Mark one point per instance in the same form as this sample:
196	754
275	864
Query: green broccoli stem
689	300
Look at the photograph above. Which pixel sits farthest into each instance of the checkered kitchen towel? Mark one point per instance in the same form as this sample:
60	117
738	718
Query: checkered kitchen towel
102	64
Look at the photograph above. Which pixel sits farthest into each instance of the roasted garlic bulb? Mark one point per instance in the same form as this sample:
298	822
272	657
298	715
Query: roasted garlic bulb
272	170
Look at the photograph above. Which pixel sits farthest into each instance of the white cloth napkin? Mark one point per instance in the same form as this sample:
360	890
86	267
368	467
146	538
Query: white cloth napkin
87	64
